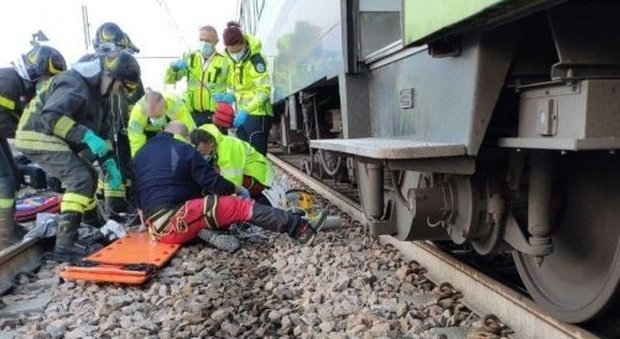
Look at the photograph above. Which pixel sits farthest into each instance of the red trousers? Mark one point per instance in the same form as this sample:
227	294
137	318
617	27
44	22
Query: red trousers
190	218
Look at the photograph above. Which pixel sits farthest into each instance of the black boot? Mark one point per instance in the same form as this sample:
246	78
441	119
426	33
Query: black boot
67	247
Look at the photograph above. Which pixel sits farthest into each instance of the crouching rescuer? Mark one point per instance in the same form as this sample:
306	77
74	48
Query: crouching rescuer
181	195
64	130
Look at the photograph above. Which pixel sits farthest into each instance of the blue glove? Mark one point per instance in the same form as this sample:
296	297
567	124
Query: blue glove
113	177
178	65
243	192
240	118
226	97
96	145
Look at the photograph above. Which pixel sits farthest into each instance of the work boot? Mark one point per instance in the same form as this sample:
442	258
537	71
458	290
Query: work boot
219	240
67	247
305	229
7	227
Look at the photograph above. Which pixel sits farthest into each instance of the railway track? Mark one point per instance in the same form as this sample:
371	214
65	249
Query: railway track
482	293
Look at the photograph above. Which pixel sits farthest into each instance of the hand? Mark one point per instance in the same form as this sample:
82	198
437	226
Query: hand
226	97
224	115
179	65
243	192
96	145
113	177
240	118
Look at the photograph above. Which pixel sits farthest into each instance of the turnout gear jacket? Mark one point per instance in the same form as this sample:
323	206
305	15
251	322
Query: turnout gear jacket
15	92
250	80
236	158
61	112
140	128
168	172
203	80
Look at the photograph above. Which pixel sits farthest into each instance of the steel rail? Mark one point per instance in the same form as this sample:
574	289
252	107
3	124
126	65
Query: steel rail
19	258
481	293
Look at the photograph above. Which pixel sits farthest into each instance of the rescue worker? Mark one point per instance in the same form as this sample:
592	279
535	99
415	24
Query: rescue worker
151	115
206	71
17	87
249	80
181	195
63	129
110	37
237	160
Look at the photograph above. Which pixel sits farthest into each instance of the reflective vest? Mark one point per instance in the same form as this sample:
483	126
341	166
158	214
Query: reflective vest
140	129
249	80
201	83
236	158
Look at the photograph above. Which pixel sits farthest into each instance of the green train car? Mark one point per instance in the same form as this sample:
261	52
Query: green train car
488	122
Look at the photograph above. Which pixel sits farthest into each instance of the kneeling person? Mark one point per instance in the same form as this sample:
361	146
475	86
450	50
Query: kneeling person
181	194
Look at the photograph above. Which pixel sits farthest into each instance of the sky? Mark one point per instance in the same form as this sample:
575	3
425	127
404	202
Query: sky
161	37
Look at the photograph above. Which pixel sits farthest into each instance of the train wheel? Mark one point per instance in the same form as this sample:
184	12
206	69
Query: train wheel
579	280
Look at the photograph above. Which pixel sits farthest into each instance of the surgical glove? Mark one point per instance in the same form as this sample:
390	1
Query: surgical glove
240	118
243	192
224	115
113	177
96	145
226	97
179	65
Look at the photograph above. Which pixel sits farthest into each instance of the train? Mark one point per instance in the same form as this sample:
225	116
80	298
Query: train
493	123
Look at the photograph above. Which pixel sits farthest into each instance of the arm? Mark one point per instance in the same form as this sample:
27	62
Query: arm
64	102
135	129
232	163
262	86
182	114
205	175
8	106
173	75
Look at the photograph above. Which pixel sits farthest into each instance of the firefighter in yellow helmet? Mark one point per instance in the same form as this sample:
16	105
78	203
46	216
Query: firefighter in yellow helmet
237	160
151	115
17	87
249	80
206	71
64	130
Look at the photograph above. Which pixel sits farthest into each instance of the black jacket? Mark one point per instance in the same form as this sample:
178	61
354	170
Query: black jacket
14	94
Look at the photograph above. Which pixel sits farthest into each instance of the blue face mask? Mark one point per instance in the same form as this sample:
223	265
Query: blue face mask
206	48
239	55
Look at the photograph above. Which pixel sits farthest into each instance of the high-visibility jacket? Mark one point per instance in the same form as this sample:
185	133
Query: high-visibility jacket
61	112
202	82
14	94
249	80
236	158
140	129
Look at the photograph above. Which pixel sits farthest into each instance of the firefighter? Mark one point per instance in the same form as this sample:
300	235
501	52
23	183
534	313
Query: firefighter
181	195
206	71
151	115
63	129
110	37
237	160
249	80
17	87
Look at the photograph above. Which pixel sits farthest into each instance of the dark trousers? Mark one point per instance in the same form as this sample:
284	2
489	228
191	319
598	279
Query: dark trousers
8	174
255	131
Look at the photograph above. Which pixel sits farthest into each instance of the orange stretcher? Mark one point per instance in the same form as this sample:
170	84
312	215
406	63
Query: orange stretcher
132	259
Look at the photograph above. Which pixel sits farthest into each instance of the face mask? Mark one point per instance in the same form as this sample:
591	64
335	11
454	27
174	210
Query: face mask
239	55
158	122
206	48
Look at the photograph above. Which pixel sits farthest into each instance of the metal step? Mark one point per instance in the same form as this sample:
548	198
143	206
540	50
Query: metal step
385	148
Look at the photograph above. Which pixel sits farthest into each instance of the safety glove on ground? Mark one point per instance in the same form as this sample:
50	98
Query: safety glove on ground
224	115
113	177
219	240
96	145
178	65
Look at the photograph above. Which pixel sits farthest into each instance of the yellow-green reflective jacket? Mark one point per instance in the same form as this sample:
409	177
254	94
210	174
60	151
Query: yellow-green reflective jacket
250	80
140	129
201	83
236	158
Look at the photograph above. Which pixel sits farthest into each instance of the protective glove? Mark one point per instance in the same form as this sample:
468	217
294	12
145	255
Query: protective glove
178	65
96	145
243	192
224	115
226	97
113	177
240	118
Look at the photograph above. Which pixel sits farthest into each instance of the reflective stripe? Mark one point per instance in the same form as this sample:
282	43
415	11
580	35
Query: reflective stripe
7	203
74	202
62	126
36	141
92	204
113	193
231	171
6	102
66	206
